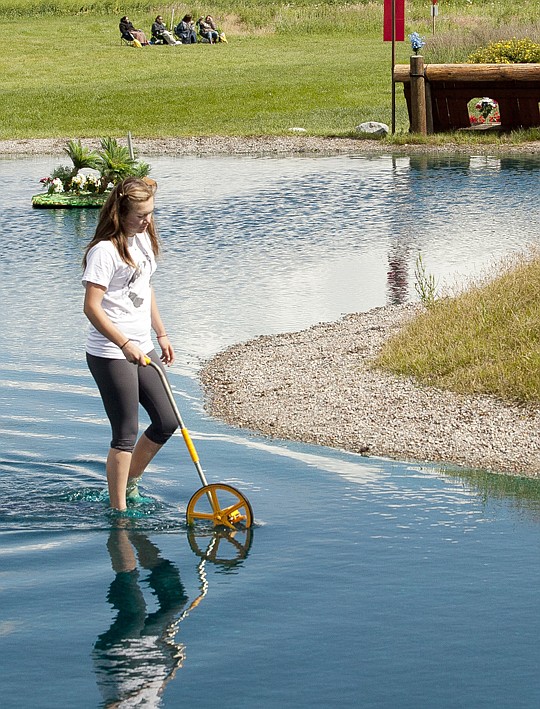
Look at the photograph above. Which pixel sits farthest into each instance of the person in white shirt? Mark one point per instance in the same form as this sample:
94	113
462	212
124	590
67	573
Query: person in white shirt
121	306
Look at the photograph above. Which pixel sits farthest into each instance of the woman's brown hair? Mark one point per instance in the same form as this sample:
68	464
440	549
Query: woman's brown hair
123	196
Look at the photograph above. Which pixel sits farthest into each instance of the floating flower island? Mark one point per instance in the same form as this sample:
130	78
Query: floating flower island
69	200
88	181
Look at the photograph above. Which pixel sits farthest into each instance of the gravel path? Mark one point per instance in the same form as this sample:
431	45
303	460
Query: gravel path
204	146
261	146
317	386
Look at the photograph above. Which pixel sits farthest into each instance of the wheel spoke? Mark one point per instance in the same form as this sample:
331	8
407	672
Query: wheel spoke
234	507
215	501
202	515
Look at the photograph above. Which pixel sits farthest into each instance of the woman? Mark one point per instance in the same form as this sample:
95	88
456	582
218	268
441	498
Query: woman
206	31
212	23
128	31
160	32
185	30
121	306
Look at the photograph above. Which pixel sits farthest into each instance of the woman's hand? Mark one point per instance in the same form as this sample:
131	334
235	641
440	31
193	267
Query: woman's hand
167	351
134	354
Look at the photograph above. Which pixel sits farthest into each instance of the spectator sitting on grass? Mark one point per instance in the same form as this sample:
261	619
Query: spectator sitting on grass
206	31
210	21
185	31
161	33
128	31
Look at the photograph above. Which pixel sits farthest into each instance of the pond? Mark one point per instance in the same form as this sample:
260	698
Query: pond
365	582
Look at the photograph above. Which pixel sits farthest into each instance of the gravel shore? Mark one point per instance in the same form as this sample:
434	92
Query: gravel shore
270	145
317	386
206	146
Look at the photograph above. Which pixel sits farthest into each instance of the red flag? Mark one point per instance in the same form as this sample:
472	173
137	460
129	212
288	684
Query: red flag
399	19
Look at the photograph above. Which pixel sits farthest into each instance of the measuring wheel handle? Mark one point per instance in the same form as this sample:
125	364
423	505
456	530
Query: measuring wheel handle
219	503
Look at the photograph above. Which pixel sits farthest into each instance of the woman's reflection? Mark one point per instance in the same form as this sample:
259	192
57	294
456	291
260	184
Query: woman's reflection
138	655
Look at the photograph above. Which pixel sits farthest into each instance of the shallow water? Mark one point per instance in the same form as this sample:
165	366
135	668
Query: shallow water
365	582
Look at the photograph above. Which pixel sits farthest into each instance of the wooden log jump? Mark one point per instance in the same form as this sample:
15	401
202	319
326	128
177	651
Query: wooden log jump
450	87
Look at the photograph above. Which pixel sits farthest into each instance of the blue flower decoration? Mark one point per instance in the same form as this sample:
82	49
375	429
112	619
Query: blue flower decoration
417	42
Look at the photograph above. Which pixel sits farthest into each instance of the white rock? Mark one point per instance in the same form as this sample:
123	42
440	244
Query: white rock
373	128
295	129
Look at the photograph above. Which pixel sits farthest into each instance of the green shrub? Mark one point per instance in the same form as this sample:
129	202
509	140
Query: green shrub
513	51
484	340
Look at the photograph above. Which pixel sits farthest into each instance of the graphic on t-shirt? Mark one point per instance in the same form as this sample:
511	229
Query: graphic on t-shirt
131	285
131	294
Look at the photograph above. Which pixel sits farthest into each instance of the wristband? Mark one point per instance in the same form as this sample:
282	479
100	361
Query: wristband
125	343
160	336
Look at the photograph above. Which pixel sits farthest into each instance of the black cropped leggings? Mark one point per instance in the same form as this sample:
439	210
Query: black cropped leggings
123	386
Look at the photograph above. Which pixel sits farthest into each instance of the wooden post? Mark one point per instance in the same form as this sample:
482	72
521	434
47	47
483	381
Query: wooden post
418	95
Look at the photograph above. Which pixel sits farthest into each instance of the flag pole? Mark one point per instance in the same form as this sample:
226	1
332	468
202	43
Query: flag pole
393	64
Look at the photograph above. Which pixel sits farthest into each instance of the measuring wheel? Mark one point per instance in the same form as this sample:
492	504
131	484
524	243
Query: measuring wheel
223	505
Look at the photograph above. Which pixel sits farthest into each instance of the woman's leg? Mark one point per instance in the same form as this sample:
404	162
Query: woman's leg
154	399
144	451
118	465
138	34
117	381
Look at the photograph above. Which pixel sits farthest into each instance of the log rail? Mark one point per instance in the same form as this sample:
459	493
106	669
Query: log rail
450	87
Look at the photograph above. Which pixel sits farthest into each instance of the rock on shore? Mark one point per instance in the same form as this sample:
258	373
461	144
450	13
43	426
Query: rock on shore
317	386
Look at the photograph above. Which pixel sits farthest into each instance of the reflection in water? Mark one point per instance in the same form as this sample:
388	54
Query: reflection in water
136	657
227	548
522	493
398	286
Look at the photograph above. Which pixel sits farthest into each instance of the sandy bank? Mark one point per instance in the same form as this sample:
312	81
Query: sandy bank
317	386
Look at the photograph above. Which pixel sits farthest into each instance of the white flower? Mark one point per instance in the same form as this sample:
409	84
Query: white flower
78	180
56	185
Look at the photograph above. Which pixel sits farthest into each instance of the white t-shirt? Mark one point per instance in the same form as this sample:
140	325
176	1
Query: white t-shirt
128	298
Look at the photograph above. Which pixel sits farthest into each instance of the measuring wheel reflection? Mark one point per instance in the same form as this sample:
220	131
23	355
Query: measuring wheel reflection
222	546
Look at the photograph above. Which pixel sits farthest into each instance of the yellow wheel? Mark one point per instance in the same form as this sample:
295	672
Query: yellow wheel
221	504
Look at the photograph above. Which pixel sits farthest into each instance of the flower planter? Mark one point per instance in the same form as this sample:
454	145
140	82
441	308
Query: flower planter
81	185
69	200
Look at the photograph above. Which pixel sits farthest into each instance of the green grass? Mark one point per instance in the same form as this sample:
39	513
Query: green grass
485	340
320	66
251	86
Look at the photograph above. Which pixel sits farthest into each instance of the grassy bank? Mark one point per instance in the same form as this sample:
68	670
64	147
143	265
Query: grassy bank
483	341
319	66
251	86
